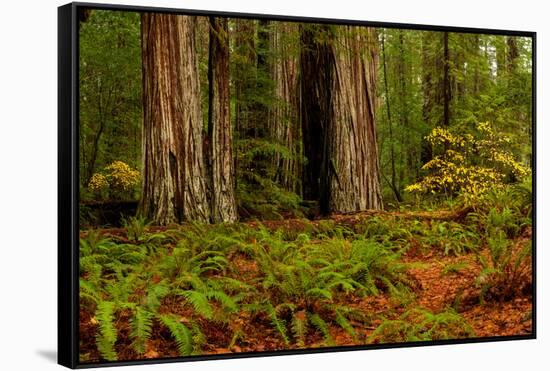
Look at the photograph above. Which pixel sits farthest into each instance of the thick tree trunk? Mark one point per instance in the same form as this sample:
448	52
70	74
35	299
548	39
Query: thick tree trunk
352	165
338	91
220	154
173	186
283	116
316	70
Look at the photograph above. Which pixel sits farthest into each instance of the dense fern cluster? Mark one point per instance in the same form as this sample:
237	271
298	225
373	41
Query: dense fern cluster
300	283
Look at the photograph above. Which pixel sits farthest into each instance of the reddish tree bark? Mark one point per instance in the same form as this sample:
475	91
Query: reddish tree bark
220	153
173	186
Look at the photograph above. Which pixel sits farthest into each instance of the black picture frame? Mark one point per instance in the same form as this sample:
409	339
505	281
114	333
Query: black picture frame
68	190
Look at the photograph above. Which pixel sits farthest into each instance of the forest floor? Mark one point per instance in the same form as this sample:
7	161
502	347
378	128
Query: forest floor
438	282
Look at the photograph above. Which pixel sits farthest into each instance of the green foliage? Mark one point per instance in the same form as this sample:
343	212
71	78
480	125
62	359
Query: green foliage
136	227
507	272
320	324
278	324
299	327
110	92
181	334
469	164
485	85
299	282
454	268
117	181
261	197
453	238
107	334
418	324
141	328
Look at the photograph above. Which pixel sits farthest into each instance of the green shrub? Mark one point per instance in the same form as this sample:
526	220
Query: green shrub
506	273
135	227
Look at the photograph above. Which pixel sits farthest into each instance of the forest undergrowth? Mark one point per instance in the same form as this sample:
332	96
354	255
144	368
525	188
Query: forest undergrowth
350	279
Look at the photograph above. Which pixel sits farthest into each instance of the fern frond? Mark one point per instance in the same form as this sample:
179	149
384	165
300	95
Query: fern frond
88	291
198	338
200	303
225	300
322	326
181	334
107	334
278	324
155	294
299	327
141	327
343	322
319	293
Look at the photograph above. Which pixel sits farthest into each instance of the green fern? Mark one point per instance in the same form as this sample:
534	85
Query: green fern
200	303
141	327
418	324
343	322
107	334
155	294
299	327
225	300
278	323
181	334
322	326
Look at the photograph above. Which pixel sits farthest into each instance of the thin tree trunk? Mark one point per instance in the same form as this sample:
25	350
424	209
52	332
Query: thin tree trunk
220	156
173	186
405	154
500	50
263	88
283	116
426	151
244	82
390	126
476	52
446	80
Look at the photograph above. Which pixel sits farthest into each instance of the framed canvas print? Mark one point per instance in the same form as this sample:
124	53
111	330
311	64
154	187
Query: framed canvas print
235	185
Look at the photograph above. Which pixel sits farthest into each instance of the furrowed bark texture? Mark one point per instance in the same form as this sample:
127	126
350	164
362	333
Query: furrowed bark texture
283	117
338	102
353	168
221	170
173	186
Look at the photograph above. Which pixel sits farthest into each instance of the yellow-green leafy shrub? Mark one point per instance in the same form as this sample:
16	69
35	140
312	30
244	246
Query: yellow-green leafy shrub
468	164
118	180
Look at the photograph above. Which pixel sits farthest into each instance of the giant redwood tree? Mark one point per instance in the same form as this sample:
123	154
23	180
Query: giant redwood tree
173	184
221	174
338	92
352	164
